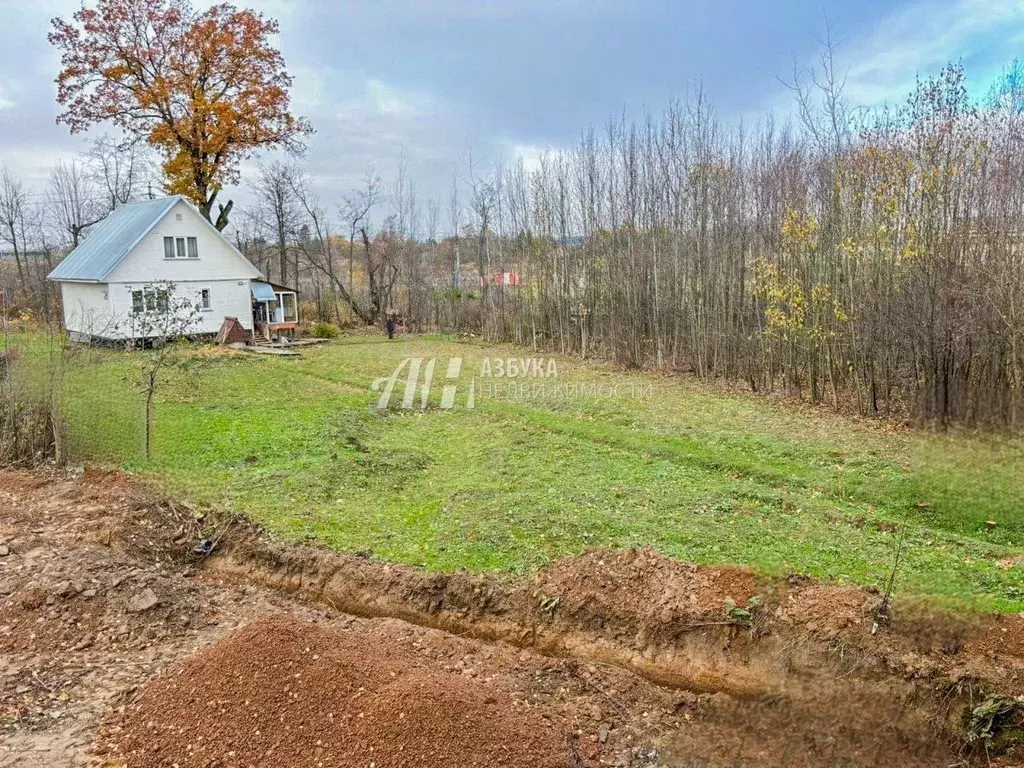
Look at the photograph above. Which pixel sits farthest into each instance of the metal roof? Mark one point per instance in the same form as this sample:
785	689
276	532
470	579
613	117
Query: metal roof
262	291
112	239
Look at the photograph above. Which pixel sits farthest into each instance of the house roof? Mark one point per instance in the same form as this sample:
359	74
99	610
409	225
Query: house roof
281	288
262	291
114	238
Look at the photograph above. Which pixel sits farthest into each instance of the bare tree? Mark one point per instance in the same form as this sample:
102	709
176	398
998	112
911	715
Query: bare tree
161	315
13	210
355	211
404	248
74	200
871	259
381	259
122	169
279	209
819	91
433	221
455	229
318	249
482	202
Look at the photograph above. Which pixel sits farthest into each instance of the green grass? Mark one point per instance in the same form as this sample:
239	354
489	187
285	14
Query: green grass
697	472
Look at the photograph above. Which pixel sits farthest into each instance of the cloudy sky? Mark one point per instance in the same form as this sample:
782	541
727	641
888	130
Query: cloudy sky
431	78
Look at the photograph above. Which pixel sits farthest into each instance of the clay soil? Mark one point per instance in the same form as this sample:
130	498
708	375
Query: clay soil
119	647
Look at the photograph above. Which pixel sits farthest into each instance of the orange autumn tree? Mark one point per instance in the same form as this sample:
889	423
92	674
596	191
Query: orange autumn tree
207	89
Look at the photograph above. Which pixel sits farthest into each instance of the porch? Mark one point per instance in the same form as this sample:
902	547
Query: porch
275	310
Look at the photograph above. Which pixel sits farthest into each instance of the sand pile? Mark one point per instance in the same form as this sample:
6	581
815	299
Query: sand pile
289	693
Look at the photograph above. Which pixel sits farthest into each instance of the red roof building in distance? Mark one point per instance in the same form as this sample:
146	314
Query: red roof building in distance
502	278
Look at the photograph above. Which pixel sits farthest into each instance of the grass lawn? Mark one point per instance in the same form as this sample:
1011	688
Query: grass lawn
692	470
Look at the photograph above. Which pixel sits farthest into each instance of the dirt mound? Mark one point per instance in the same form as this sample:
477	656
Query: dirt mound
298	694
91	605
1005	637
643	584
825	609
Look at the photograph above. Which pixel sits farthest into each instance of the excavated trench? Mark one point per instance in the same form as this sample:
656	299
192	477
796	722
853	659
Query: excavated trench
798	672
699	655
120	649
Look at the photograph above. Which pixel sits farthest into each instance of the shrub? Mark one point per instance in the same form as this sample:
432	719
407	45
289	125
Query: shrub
31	424
323	330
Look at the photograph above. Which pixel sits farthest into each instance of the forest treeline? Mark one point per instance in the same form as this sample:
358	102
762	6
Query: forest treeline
867	259
873	260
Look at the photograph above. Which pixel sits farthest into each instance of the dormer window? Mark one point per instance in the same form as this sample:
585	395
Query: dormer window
181	248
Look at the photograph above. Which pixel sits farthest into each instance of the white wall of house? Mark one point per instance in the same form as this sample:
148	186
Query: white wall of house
228	298
217	260
87	310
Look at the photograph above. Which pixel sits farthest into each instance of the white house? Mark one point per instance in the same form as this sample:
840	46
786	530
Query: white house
130	263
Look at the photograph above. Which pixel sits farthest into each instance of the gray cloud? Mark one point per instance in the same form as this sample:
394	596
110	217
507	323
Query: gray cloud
380	78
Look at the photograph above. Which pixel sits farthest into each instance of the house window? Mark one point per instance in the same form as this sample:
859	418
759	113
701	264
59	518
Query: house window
205	298
181	248
291	314
150	300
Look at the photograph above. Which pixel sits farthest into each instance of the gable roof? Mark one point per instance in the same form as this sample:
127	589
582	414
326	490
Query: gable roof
114	238
111	240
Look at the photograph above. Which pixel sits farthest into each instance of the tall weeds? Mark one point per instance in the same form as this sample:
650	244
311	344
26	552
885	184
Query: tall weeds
33	430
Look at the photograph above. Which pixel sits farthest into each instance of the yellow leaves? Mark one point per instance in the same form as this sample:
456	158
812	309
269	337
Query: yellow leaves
909	251
115	72
820	293
792	312
828	306
765	271
785	301
850	248
799	230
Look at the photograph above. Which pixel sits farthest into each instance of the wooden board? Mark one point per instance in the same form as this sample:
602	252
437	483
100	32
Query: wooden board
264	350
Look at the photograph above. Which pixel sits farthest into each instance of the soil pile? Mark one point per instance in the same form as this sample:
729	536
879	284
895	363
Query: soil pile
643	584
293	693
